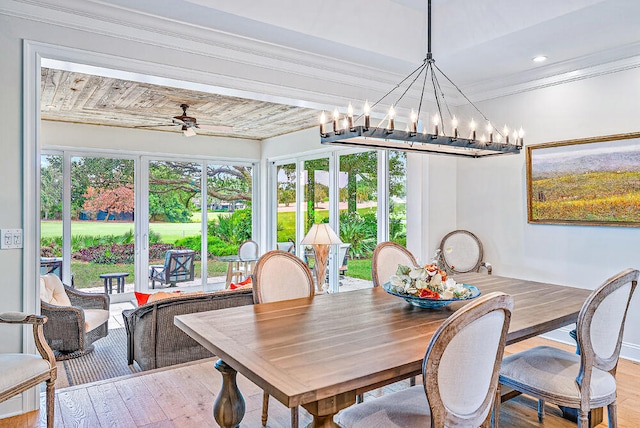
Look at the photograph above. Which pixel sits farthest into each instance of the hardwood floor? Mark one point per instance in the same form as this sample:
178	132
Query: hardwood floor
183	396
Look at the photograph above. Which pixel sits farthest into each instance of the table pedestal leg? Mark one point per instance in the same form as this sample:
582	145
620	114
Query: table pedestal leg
229	407
323	411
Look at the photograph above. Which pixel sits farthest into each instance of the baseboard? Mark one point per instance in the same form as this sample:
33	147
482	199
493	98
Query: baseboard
12	407
629	351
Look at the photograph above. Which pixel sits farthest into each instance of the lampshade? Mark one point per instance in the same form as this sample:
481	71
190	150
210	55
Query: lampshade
321	234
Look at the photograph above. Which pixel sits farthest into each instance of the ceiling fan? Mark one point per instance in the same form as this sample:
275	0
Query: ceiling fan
188	124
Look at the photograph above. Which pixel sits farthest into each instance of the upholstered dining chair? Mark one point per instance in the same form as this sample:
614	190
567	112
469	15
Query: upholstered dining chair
279	275
386	258
586	381
459	374
76	319
21	372
461	251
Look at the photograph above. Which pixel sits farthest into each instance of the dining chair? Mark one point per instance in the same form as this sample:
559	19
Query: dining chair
459	374
386	258
21	372
279	275
248	253
586	381
461	251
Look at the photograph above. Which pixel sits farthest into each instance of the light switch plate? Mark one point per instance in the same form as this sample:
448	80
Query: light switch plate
10	238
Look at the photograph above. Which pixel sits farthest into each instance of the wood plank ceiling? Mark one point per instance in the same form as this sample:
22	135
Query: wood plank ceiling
82	98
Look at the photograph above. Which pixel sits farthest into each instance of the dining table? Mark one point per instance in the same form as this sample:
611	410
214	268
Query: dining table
321	352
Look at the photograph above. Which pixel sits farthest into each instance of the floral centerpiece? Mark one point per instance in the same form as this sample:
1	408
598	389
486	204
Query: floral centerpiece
427	282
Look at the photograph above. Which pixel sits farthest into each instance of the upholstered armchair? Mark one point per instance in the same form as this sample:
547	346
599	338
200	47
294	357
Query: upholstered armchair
76	319
21	372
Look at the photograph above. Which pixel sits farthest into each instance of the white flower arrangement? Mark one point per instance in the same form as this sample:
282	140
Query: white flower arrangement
428	281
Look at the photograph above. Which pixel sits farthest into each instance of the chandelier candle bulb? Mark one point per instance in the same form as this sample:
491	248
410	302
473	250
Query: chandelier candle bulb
414	122
323	119
350	117
454	125
367	115
490	131
336	117
472	125
436	121
520	137
390	126
505	131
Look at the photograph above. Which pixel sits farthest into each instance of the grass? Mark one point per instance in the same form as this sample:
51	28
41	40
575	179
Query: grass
359	268
169	232
88	274
598	196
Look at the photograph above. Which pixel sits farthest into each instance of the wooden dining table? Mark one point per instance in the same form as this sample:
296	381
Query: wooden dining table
321	352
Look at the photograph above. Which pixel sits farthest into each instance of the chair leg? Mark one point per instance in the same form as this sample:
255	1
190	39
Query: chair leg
583	418
294	417
359	398
265	408
612	410
540	410
496	408
412	381
51	394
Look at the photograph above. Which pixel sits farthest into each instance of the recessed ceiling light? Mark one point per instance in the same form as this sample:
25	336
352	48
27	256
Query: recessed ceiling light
539	58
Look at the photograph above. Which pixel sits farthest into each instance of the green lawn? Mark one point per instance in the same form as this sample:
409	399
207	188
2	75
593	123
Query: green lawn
359	269
169	232
88	274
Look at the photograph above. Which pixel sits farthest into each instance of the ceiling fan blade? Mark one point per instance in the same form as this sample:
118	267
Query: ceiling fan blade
215	127
178	122
189	132
155	126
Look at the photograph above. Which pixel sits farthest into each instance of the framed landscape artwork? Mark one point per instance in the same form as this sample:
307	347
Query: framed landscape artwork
593	181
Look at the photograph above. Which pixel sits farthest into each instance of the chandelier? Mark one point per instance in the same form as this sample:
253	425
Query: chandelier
437	138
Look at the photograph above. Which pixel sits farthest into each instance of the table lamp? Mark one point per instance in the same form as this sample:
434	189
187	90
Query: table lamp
321	236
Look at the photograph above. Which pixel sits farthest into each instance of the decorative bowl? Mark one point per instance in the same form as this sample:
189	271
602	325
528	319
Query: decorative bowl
428	303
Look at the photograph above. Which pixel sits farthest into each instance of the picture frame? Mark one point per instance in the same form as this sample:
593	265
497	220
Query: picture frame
591	181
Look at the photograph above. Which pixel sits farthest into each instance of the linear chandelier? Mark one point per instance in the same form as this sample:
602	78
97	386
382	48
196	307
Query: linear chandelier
416	137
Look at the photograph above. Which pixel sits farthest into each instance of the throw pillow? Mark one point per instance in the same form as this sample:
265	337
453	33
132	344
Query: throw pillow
161	295
247	283
142	298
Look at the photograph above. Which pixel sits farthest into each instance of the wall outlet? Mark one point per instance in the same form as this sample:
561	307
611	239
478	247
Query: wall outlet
10	238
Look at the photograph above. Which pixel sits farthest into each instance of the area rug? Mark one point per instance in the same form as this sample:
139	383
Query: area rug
108	360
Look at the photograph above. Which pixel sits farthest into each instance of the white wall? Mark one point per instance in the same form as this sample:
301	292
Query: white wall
125	140
491	193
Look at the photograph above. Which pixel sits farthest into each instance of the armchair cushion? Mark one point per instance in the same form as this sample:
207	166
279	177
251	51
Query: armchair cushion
19	368
94	318
52	291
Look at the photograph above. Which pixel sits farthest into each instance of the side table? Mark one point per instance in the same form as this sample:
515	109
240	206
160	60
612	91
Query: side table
108	281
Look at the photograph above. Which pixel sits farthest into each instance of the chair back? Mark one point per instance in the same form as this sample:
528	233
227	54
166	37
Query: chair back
52	290
280	275
248	250
179	265
462	364
600	326
461	251
386	258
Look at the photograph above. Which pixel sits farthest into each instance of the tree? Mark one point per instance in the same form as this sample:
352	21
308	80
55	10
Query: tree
112	201
51	188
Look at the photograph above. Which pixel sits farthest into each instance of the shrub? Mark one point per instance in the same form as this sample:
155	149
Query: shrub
215	245
234	228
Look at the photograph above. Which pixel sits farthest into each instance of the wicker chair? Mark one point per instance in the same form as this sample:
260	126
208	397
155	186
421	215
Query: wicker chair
21	372
461	251
76	319
280	275
459	374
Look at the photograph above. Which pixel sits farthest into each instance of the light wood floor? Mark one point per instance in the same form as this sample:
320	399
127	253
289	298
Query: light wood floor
183	396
